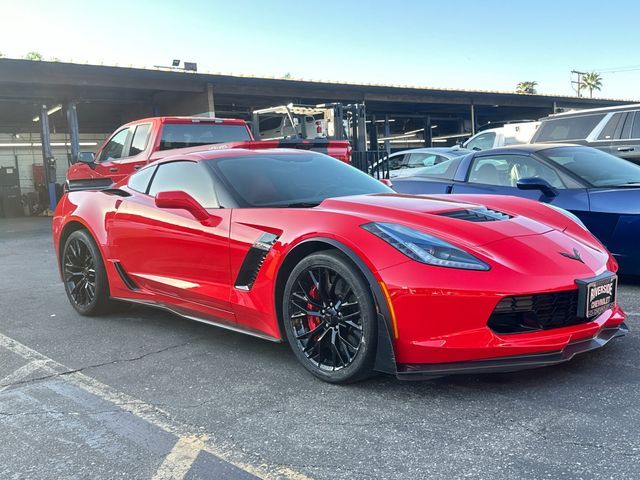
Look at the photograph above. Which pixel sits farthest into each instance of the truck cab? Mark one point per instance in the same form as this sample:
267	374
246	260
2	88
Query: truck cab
137	143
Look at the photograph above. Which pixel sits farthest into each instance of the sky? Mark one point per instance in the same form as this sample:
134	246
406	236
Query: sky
476	45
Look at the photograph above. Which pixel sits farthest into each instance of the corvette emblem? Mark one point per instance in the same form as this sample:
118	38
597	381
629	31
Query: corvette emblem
574	256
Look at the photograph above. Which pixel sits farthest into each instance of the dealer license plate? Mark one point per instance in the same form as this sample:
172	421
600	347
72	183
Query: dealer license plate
595	295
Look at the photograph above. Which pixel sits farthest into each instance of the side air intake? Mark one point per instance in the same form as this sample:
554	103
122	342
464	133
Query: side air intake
253	261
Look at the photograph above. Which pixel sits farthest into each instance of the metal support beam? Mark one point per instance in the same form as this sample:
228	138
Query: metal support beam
47	157
473	119
210	100
373	133
387	134
74	132
428	137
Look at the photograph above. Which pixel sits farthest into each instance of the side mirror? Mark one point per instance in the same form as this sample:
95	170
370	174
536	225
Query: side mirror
537	183
86	157
183	201
387	182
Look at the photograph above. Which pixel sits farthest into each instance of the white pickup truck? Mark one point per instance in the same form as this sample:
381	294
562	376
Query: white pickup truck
510	134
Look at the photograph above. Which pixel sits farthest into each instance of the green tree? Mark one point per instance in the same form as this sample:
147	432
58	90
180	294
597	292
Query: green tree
287	76
33	56
527	87
591	81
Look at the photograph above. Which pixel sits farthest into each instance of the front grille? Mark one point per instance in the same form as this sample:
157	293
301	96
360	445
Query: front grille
477	215
526	313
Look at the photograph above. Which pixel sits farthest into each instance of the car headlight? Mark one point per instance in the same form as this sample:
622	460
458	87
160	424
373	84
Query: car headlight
424	248
568	214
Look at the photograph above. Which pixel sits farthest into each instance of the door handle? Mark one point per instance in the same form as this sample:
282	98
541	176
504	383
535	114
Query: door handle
625	149
137	167
113	169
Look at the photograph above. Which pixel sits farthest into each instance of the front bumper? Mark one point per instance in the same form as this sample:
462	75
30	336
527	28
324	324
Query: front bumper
512	363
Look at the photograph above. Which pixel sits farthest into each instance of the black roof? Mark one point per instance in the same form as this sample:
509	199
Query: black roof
526	148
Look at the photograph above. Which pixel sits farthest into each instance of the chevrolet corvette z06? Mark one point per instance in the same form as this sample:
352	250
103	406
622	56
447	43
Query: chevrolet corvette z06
296	246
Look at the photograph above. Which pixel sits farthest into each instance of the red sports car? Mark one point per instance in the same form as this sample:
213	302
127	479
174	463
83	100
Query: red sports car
285	244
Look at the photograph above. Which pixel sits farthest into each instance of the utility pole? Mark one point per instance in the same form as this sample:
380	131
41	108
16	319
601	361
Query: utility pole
578	82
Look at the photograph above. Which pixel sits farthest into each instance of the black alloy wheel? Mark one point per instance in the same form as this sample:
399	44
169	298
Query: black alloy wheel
80	272
84	275
330	318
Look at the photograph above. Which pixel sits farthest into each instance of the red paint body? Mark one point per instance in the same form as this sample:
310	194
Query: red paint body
117	170
190	266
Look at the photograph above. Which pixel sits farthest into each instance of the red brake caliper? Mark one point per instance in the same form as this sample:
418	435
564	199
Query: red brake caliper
313	322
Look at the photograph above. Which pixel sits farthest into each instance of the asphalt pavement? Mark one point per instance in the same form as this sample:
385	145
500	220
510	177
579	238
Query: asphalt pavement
145	394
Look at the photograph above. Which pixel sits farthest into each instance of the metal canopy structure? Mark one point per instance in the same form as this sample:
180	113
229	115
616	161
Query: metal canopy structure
83	104
108	96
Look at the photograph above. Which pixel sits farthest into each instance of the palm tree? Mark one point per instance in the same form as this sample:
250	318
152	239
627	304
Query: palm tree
591	81
33	56
527	87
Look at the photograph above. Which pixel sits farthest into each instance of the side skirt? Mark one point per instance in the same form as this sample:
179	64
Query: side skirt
189	316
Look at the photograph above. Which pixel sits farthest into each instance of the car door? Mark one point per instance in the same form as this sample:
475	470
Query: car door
626	143
498	175
169	252
125	152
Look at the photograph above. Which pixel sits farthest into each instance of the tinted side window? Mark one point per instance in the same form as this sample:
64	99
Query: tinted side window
189	177
139	181
610	128
445	170
396	161
270	123
564	129
506	170
114	149
625	128
140	137
635	131
482	142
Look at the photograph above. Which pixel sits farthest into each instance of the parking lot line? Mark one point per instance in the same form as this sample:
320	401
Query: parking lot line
140	409
21	373
176	465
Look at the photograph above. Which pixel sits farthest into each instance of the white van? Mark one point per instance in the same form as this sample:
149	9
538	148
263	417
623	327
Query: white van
510	134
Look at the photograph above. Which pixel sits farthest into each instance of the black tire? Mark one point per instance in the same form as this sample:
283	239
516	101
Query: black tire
84	275
330	318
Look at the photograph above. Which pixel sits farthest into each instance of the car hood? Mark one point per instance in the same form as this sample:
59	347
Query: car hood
528	236
447	218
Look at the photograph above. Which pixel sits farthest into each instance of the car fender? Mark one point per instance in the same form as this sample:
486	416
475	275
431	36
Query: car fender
385	358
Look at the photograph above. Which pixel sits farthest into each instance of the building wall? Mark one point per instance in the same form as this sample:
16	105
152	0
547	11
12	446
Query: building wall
25	150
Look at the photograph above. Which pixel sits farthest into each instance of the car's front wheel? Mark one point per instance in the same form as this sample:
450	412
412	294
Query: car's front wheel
84	275
330	318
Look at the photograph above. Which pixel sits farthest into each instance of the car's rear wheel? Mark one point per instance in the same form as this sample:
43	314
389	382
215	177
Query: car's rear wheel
84	275
330	318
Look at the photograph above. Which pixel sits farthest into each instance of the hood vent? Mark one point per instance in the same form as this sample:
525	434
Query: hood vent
480	214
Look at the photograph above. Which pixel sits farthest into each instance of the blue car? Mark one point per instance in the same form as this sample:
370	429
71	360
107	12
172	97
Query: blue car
600	189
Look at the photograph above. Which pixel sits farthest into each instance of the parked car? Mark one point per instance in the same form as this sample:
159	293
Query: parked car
509	134
614	130
602	190
297	246
400	163
143	141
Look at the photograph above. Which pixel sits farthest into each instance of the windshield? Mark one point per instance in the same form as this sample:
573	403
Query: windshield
597	168
291	180
182	135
